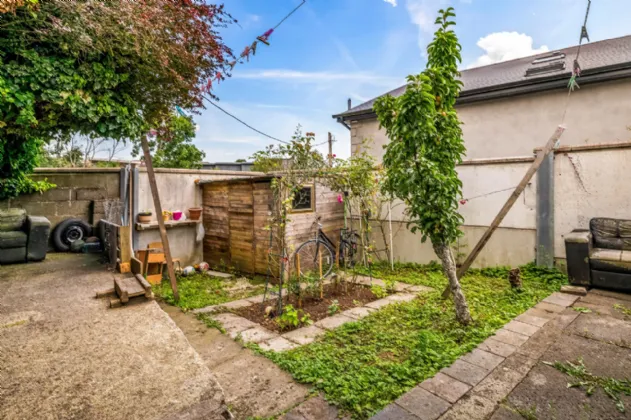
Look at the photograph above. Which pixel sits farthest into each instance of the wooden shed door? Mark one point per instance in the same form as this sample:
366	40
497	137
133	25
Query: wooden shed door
241	227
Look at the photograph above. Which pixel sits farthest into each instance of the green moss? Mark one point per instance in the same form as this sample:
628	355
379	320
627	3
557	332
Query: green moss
365	365
200	290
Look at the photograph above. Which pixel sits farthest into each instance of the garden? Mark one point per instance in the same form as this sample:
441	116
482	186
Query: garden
363	366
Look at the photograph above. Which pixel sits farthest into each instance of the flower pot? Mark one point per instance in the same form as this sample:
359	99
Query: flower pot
194	213
144	218
165	217
177	215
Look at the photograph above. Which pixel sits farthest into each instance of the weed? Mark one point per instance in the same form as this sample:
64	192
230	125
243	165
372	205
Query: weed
378	291
625	311
292	317
613	388
334	307
581	309
390	286
357	302
211	323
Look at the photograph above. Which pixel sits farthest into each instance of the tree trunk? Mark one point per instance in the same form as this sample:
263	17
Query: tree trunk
449	268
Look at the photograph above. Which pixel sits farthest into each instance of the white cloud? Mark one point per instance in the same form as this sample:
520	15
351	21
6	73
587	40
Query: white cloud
392	2
423	14
502	46
317	76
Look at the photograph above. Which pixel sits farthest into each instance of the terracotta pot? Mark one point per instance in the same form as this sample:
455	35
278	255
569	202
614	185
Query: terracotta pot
194	213
144	218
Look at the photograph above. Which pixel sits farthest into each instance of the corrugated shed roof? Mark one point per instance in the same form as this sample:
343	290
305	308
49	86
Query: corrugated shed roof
593	56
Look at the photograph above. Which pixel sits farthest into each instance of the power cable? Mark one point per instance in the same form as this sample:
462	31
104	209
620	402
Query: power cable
242	122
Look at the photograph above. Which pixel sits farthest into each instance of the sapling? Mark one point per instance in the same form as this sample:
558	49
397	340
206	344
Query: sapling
425	146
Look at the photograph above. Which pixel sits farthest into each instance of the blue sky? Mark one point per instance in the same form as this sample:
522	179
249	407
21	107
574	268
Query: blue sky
331	50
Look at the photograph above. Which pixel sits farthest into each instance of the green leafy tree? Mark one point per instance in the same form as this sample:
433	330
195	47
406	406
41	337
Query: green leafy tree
174	146
425	146
103	69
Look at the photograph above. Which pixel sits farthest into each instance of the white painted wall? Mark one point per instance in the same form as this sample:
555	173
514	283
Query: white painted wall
515	126
597	184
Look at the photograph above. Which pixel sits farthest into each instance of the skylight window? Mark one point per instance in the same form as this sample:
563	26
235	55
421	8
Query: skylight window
552	57
548	68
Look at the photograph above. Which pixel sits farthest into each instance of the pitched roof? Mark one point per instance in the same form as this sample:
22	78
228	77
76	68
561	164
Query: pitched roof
509	77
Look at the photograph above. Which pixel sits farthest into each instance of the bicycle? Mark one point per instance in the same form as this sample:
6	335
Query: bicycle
309	253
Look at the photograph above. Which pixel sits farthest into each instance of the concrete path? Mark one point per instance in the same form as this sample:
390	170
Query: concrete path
66	355
506	378
253	385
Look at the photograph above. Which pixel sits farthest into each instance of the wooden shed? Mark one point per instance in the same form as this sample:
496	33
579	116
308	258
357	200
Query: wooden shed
237	212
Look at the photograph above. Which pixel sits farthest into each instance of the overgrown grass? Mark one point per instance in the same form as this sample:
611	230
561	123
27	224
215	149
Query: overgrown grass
200	290
365	365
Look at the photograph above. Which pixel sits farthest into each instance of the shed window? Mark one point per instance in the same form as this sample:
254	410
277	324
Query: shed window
304	200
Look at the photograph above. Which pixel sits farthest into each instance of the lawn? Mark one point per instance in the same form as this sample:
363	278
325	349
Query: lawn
200	290
365	365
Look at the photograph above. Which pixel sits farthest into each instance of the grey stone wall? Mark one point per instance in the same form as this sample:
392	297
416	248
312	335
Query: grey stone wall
80	193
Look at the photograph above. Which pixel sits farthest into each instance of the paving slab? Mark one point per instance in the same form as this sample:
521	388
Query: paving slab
401	297
541	313
519	363
359	312
235	304
574	290
219	274
544	394
603	305
423	404
368	281
550	307
466	372
304	335
483	359
332	322
257	335
419	289
497	347
504	413
499	383
602	328
521	328
510	337
315	408
445	387
562	299
470	407
258	298
233	324
379	303
394	412
278	344
614	295
530	319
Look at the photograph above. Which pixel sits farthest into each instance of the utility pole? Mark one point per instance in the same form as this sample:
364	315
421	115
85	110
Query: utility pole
330	149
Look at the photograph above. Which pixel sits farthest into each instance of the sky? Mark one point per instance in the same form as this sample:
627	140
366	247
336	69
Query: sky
332	50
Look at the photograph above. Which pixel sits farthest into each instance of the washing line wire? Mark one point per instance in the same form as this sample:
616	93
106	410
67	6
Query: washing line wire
289	14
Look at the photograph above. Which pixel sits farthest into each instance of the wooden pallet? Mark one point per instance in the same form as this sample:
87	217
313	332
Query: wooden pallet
126	288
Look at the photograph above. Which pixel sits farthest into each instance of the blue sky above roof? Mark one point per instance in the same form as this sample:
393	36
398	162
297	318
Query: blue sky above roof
329	51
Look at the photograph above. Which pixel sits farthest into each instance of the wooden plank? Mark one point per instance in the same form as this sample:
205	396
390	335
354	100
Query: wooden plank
509	203
144	284
121	291
158	207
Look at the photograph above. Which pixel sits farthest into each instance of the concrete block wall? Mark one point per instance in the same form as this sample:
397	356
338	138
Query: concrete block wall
79	193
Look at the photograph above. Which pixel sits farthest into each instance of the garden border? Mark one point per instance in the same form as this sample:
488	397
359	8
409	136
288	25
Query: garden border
251	332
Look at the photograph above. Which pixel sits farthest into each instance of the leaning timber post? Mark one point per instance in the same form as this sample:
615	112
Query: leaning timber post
158	207
545	213
541	155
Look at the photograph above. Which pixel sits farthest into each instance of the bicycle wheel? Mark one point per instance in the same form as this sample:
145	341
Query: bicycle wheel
310	253
349	250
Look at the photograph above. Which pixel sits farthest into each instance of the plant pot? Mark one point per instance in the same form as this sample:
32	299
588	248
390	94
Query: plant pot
194	213
144	217
165	217
177	215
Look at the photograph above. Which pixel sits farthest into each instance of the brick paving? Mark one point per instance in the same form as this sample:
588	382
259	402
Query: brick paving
473	386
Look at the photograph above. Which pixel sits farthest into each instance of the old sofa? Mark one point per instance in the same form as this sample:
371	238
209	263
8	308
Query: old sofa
22	238
600	256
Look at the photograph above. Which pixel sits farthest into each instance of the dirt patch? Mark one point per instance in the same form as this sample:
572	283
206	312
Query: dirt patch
354	295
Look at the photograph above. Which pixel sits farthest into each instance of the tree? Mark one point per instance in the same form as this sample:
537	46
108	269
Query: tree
174	146
425	146
240	161
100	69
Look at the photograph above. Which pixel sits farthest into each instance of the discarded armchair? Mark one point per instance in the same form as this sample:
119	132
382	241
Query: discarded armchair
22	238
600	256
